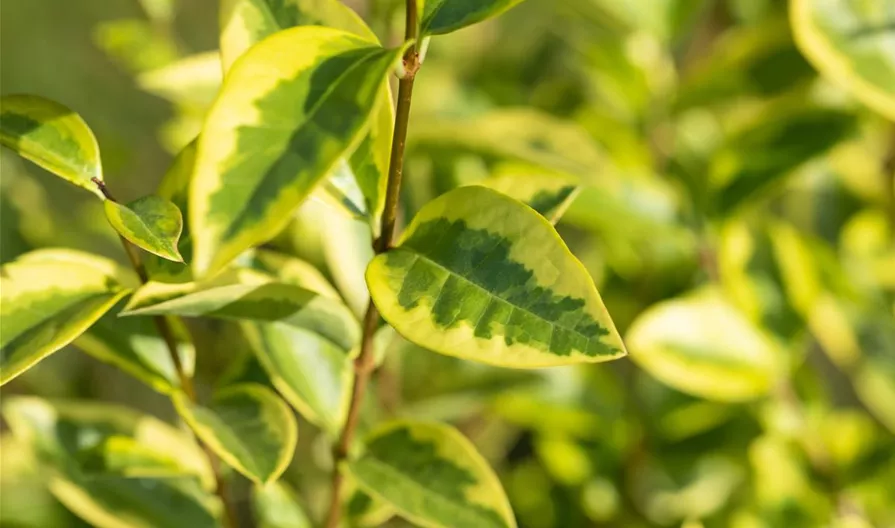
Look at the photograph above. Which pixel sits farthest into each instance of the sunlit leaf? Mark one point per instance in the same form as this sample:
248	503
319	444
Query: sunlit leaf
280	124
549	195
47	301
702	346
248	426
479	276
276	506
52	136
151	223
432	475
445	16
135	44
851	44
193	80
292	270
175	186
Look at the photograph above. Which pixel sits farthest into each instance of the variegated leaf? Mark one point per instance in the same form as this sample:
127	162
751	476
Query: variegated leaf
480	276
851	43
52	136
432	475
701	345
248	426
445	16
175	186
276	506
548	194
192	81
280	124
293	270
47	299
150	223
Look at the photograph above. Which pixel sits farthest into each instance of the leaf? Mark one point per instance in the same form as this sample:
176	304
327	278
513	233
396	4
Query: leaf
293	270
265	301
702	346
432	475
191	81
53	137
248	426
279	126
480	276
69	437
850	43
446	16
547	194
313	374
151	223
46	302
276	506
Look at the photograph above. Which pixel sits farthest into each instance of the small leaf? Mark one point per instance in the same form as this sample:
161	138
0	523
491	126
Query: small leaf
248	426
51	136
151	223
432	475
850	43
549	195
312	373
46	302
276	506
480	276
446	16
702	346
192	81
279	126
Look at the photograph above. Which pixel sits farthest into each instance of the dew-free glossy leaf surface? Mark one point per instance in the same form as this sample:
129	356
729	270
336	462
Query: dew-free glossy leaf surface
702	346
175	187
151	223
52	136
312	373
851	43
293	270
276	506
432	475
549	195
248	426
46	302
279	126
445	16
480	276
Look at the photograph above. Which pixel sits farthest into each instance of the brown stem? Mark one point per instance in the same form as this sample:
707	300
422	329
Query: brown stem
364	364
186	383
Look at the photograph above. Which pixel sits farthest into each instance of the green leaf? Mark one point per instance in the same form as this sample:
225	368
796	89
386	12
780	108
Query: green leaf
102	460
248	426
850	43
52	136
276	506
192	81
432	475
259	301
280	124
313	374
445	16
151	223
293	270
549	195
702	346
480	276
47	300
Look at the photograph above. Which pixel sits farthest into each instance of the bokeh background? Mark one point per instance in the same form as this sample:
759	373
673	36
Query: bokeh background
714	162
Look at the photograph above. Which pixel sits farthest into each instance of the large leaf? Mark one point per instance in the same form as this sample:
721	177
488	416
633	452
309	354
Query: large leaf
480	276
432	475
48	300
702	346
276	506
259	300
51	136
851	43
550	195
248	426
114	467
151	223
312	373
280	124
445	16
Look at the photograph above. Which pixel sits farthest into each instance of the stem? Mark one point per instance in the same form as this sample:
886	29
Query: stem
364	364
186	383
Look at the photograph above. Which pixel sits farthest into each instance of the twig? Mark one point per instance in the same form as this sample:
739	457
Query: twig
364	364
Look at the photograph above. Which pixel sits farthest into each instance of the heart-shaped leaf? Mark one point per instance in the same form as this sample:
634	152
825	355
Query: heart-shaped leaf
248	426
432	475
52	136
445	16
480	276
702	346
47	300
280	124
151	223
850	43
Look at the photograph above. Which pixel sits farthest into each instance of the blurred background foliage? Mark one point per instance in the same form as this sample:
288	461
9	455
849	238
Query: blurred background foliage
736	212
